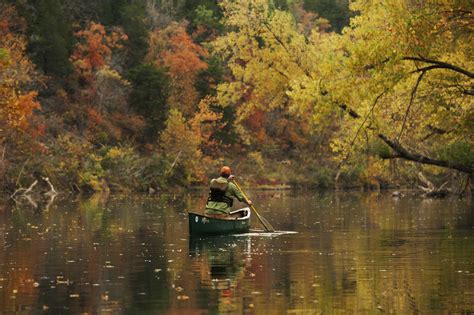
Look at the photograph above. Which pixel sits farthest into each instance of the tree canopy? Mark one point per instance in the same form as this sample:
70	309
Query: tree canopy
399	73
305	92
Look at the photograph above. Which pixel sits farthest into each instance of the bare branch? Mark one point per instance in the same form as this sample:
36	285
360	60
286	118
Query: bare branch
367	116
468	92
401	152
174	162
435	131
29	189
271	66
52	190
405	154
349	110
440	65
412	98
463	190
25	191
424	180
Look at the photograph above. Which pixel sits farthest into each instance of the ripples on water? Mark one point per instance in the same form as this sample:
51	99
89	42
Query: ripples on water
352	253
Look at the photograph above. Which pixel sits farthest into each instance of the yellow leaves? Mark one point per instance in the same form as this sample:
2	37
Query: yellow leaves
116	152
204	117
275	69
267	57
109	81
256	159
245	13
372	64
180	143
229	93
110	74
5	58
182	139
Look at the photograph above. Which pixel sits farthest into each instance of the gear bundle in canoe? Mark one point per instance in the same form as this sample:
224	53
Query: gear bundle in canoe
239	222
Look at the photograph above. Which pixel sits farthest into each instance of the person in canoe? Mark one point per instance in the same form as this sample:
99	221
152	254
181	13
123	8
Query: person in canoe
222	194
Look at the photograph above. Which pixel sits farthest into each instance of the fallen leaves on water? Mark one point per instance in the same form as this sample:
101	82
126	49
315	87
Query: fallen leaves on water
104	296
182	297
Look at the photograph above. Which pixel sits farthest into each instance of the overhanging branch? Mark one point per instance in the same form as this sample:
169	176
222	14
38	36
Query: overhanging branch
435	64
401	152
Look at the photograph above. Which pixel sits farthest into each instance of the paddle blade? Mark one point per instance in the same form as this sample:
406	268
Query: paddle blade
264	221
267	225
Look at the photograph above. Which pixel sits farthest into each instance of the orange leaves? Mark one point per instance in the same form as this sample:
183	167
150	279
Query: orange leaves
256	123
94	116
173	48
10	20
16	70
95	48
25	106
101	84
4	25
16	108
183	56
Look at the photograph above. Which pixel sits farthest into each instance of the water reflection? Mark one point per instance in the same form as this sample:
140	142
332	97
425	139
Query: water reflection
222	263
354	252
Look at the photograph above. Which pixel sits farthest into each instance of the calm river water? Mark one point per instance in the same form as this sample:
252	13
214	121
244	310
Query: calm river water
353	253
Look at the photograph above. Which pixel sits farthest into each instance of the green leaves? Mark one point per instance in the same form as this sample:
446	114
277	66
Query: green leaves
149	96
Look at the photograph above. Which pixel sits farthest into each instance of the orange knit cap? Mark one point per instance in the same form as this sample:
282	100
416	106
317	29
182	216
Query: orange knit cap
225	171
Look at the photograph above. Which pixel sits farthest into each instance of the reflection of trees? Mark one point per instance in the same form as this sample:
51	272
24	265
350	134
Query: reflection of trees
369	253
354	252
396	263
221	264
79	257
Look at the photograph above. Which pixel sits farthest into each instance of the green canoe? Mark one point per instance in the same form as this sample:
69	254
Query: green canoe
203	225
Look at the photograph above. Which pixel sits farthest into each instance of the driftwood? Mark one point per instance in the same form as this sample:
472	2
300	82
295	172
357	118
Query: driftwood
174	163
465	186
26	193
52	191
430	190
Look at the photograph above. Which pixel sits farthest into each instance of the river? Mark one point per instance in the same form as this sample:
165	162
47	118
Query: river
353	252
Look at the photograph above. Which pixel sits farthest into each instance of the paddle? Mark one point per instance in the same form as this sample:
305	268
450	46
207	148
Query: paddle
262	220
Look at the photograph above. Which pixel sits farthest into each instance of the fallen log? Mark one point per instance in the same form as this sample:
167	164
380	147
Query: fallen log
430	190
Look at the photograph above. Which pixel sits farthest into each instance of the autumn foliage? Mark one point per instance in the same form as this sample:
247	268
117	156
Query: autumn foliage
17	102
95	48
136	99
174	49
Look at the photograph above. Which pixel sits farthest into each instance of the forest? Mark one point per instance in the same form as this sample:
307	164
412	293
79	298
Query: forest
149	95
